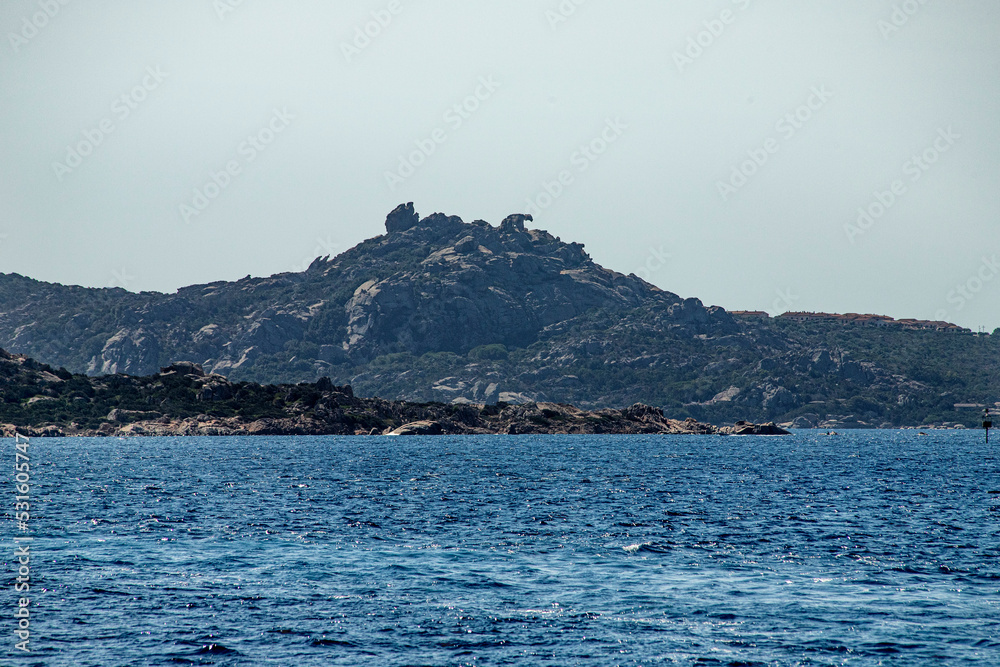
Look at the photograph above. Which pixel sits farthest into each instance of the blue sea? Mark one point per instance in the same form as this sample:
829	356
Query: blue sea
869	548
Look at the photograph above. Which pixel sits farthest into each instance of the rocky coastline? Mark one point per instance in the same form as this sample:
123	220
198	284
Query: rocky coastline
183	400
439	310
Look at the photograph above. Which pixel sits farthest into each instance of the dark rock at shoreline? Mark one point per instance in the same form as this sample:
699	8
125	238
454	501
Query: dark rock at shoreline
189	402
746	428
418	428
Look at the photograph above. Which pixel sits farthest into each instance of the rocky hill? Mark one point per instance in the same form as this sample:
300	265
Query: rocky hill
441	310
38	400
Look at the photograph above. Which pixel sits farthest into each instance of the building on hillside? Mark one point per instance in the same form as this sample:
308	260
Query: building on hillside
870	320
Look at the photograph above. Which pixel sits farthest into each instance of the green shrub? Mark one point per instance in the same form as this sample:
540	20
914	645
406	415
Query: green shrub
494	352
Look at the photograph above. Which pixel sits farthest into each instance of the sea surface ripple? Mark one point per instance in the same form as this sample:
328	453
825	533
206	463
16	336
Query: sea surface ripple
870	548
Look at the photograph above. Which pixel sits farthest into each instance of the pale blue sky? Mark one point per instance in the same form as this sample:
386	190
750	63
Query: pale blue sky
329	122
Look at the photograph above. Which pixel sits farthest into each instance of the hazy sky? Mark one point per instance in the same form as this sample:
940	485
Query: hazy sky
720	149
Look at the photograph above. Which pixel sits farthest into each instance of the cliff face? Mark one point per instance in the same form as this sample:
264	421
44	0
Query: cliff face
441	310
477	284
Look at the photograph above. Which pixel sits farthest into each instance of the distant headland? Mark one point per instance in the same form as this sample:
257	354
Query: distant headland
438	310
